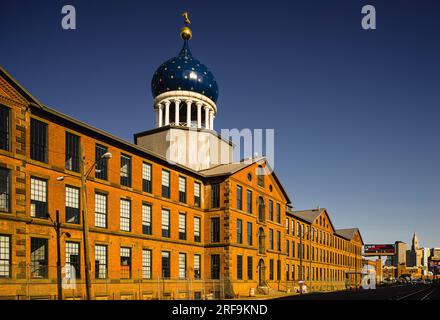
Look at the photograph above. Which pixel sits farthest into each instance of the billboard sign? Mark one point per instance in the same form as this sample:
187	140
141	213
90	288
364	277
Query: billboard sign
379	250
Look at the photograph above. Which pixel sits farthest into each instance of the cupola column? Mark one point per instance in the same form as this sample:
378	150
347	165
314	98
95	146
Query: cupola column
207	117
188	113
167	113
177	105
159	109
211	120
199	114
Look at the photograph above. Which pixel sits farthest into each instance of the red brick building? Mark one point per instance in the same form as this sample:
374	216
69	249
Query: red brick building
158	226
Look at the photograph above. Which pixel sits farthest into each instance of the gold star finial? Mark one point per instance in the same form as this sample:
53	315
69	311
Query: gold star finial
186	32
186	16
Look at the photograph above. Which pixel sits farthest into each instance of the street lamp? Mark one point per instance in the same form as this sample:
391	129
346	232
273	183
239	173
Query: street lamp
85	217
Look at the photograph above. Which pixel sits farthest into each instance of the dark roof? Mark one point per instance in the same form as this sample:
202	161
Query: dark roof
307	215
231	168
348	233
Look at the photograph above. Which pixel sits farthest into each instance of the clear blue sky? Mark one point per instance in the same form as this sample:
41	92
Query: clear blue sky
356	113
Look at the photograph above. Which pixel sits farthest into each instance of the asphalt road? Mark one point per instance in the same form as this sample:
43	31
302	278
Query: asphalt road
398	292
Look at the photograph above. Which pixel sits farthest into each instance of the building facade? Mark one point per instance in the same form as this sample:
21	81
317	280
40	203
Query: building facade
84	214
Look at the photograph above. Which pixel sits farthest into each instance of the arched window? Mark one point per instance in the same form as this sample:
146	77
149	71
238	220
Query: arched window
260	205
261	241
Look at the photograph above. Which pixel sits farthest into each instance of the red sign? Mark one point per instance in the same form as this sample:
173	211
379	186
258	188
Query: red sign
379	249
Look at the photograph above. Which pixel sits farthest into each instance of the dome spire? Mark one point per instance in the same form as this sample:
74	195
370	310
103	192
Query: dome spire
185	32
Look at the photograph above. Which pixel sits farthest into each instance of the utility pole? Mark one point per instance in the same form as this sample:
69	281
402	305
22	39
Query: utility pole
301	276
85	218
58	232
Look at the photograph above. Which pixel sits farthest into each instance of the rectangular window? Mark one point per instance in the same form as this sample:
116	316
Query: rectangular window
278	270
182	265
293	227
292	268
287	225
197	235
100	210
271	239
182	189
215	229
239	198
197	266
165	223
166	273
146	219
39	258
72	152
239	231
147	185
278	241
125	170
72	205
250	268
287	272
125	215
249	233
239	267
182	226
287	247
5	128
271	266
249	201
215	266
101	166
197	195
165	184
38	140
270	210
5	190
215	196
125	254
100	261
293	249
73	261
278	213
146	264
39	198
5	256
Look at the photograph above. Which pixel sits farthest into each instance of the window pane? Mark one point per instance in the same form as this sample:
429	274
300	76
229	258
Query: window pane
38	198
72	152
72	205
146	178
165	223
125	215
5	256
125	254
38	140
100	261
101	163
73	261
197	229
39	259
125	171
4	128
146	264
146	219
5	189
100	210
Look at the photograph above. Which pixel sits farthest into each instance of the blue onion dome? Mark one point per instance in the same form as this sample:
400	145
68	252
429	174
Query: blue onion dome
184	73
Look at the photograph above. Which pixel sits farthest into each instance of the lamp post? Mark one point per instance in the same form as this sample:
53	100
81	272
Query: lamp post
85	217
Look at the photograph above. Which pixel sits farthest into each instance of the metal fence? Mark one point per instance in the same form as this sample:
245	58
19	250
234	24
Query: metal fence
37	281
